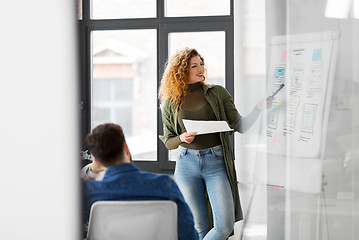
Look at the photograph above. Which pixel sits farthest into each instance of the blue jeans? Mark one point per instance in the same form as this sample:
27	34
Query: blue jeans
197	170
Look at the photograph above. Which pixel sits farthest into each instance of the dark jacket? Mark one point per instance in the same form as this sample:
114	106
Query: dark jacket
126	182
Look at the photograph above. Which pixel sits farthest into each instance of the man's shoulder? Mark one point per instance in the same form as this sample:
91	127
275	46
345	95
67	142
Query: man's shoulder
91	186
158	177
133	179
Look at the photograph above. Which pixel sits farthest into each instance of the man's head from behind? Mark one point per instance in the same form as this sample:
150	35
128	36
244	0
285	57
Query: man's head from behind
107	144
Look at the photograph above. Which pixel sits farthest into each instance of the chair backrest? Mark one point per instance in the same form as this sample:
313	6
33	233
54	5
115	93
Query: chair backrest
127	220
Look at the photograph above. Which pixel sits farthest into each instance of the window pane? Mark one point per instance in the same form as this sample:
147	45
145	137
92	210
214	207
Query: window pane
211	46
79	9
124	87
116	9
187	8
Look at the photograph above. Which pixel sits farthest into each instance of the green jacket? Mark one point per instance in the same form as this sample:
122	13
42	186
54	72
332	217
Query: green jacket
224	110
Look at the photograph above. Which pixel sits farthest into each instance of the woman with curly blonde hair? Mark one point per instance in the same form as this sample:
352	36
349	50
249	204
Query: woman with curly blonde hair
205	171
174	80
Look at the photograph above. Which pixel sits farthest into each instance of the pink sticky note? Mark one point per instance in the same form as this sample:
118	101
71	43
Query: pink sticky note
276	137
284	56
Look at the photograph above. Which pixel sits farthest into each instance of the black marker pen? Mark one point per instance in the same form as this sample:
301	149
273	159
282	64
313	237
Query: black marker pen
280	87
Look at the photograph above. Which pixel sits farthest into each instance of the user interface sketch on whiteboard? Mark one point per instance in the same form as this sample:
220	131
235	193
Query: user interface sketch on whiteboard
298	117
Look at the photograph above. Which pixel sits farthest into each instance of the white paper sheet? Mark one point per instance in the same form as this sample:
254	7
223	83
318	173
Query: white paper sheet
203	127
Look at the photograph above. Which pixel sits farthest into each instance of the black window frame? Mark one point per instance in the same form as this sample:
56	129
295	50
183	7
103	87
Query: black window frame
164	26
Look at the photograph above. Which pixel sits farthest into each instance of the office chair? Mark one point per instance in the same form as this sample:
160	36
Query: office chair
133	220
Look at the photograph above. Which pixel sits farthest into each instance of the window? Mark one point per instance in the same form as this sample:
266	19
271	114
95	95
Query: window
124	86
125	45
121	9
186	8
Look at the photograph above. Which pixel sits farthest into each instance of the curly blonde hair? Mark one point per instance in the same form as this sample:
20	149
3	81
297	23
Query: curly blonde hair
175	77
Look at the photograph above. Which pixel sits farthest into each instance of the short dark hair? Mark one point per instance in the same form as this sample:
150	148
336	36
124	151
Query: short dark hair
106	143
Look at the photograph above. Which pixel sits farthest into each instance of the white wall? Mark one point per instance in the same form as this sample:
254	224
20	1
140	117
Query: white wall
39	123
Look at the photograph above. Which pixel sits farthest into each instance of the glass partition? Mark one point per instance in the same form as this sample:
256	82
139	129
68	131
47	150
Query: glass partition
298	172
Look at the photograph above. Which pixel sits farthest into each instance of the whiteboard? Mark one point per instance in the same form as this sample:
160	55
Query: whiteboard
298	118
297	122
